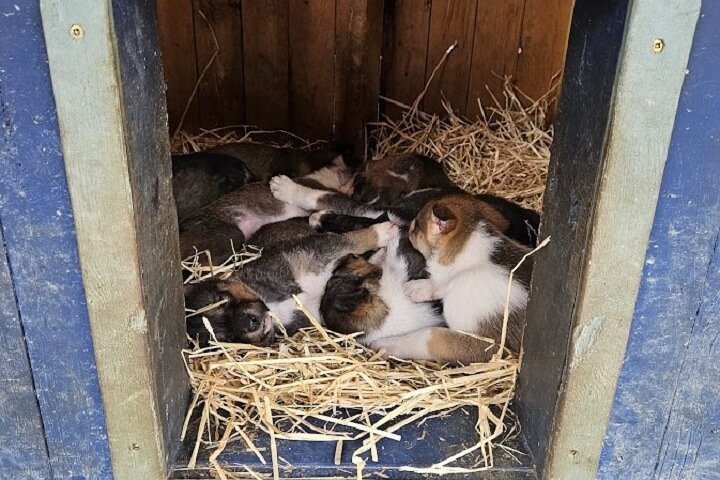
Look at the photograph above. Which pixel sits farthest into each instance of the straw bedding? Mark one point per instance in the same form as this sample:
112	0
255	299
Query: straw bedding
301	388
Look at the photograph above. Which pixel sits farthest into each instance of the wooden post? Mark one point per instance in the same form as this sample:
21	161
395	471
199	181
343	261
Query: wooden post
586	310
107	81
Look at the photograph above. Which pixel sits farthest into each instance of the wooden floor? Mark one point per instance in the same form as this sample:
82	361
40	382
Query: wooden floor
421	445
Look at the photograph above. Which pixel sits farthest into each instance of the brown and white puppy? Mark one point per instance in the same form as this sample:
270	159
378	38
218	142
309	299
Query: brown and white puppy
368	296
469	262
231	219
300	269
240	317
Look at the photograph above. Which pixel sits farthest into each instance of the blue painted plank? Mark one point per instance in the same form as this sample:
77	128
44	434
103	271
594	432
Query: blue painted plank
421	445
666	416
23	454
37	224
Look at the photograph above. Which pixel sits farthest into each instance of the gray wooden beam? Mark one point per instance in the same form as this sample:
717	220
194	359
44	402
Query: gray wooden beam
651	71
107	80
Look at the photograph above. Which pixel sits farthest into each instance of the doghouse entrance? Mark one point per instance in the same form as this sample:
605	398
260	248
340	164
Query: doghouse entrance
318	69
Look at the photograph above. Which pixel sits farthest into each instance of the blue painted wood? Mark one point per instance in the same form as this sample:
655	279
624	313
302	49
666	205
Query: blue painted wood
666	416
23	454
39	234
421	445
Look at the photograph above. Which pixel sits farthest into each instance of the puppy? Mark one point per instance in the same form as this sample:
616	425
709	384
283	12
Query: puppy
299	269
469	263
368	296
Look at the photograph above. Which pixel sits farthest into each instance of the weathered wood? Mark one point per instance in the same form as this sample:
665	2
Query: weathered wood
358	37
112	113
495	50
624	212
265	54
544	43
23	454
666	414
575	170
450	21
406	26
39	239
177	41
312	67
220	95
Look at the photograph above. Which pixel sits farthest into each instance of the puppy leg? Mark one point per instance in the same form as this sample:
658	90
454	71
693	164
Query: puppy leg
366	239
438	344
423	290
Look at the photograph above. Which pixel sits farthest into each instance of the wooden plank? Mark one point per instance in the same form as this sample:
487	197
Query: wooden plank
450	21
177	41
218	33
624	212
495	50
39	238
312	67
543	43
23	454
406	26
575	171
666	415
265	57
358	44
111	115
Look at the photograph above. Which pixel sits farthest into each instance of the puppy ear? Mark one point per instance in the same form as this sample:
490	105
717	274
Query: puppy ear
443	220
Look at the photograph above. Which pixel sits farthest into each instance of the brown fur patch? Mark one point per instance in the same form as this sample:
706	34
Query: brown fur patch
238	290
362	240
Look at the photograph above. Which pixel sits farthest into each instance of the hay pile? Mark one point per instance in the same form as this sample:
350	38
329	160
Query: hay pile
301	388
297	390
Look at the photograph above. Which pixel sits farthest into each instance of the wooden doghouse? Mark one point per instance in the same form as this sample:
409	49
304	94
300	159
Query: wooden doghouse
619	377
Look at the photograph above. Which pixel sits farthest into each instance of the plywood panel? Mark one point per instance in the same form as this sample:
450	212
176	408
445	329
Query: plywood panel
218	39
495	50
177	40
357	80
312	67
546	24
450	21
406	26
265	57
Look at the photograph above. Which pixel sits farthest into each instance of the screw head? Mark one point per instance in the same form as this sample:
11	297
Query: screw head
135	447
76	32
658	45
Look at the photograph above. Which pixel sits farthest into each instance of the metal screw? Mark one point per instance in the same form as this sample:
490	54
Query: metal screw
658	45
76	32
135	447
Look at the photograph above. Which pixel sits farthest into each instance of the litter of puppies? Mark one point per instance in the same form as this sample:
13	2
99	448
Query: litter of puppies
370	252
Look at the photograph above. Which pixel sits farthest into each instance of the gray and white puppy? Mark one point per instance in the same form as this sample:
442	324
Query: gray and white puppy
301	269
235	217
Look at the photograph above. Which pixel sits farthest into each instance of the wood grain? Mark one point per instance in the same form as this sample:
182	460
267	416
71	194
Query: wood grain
495	50
177	40
265	57
450	21
358	36
312	67
220	95
546	24
406	26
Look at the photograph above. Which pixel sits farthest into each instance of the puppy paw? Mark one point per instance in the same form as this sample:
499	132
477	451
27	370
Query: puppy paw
315	219
284	189
386	232
388	347
419	290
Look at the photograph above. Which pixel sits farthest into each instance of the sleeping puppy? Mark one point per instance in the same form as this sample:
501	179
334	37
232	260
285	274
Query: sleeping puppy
469	262
299	269
368	296
230	220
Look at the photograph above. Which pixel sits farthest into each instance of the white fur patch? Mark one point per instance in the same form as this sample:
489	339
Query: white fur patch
414	345
286	190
